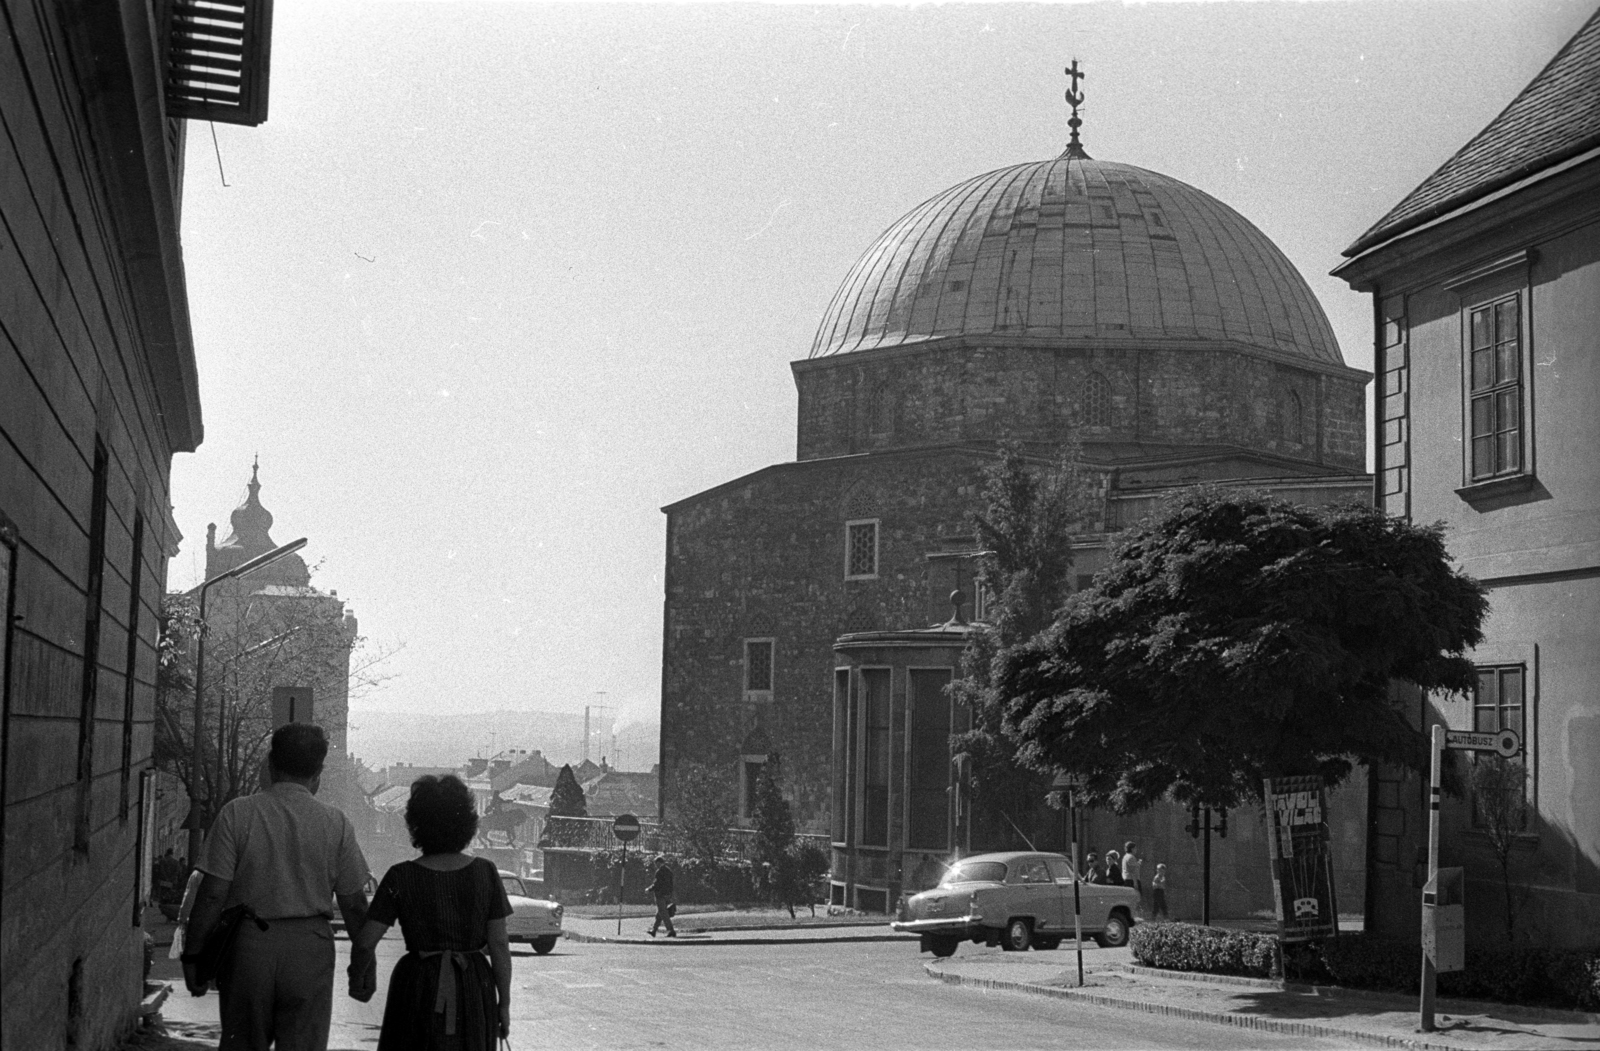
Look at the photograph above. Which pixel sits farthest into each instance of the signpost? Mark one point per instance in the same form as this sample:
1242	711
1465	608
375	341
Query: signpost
1443	899
626	828
1069	784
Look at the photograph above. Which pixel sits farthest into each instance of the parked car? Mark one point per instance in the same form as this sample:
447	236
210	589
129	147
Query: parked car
1017	900
533	920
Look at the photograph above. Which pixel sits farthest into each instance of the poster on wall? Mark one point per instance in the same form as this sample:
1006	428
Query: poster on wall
1302	861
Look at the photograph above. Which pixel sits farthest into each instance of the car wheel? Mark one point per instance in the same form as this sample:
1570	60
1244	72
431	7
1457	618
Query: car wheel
1018	936
1047	944
943	947
542	946
1115	936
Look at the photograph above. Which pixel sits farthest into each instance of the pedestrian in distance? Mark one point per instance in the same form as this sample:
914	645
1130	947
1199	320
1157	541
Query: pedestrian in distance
1093	873
1158	894
1114	867
287	857
661	890
445	994
1133	869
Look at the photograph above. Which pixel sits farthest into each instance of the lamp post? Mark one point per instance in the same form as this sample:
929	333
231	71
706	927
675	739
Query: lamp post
197	802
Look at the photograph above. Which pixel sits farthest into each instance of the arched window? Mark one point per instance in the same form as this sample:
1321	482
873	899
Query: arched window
1096	401
1294	424
880	410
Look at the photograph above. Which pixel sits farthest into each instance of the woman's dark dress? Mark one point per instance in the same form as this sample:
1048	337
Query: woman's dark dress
440	910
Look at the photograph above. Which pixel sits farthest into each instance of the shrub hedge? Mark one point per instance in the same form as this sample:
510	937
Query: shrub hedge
1213	950
1553	977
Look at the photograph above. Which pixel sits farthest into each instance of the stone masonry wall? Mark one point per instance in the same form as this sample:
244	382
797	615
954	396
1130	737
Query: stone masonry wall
876	401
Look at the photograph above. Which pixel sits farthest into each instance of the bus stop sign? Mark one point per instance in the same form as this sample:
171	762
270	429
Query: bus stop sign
625	827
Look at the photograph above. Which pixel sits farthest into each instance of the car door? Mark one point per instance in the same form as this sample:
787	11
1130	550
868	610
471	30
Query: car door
1061	875
1037	894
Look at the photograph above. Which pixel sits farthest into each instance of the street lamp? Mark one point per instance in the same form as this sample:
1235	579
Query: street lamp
196	802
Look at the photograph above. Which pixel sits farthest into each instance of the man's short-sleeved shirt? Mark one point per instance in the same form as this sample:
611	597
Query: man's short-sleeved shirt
1132	867
285	852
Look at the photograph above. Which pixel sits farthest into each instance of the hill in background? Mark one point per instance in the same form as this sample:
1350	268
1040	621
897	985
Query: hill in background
380	737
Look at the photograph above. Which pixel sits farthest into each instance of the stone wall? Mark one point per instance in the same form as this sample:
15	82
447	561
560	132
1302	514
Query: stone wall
1214	394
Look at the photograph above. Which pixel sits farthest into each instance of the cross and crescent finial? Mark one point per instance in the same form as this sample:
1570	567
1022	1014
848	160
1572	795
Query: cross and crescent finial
1075	99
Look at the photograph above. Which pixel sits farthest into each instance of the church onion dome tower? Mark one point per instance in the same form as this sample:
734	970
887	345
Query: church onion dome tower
1074	248
1088	300
251	536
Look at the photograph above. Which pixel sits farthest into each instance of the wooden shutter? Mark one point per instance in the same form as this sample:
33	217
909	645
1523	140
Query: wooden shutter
217	60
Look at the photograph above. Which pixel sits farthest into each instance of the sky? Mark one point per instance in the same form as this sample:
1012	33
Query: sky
495	282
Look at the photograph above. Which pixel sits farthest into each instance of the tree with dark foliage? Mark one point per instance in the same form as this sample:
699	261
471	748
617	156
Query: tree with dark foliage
1025	534
1239	637
771	816
566	799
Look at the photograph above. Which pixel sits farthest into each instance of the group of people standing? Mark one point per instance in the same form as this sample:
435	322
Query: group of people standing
1125	868
289	858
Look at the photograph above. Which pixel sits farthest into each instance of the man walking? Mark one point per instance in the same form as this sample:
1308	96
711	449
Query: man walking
287	856
662	890
1133	870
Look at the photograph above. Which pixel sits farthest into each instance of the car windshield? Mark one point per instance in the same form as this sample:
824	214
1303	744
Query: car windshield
975	872
513	886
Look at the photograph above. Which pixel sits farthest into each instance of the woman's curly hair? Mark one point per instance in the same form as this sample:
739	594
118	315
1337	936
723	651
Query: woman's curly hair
440	814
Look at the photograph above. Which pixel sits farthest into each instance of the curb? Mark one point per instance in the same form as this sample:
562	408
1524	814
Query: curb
1191	1014
1525	1012
825	939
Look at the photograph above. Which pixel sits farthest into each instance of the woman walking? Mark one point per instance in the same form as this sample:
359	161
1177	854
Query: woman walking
445	994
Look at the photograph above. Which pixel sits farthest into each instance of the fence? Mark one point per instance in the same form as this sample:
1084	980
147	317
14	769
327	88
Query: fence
594	834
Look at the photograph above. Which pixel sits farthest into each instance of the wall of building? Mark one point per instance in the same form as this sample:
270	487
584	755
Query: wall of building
1187	394
81	371
764	557
1537	547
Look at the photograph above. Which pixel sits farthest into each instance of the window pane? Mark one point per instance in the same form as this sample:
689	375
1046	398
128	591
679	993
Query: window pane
1506	321
1482	369
1507	408
758	665
863	541
1482	457
1486	712
1511	699
1508	452
1506	362
1482	417
1482	328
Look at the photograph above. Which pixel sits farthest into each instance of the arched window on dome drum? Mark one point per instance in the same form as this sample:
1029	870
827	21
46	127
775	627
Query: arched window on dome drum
1293	418
880	414
1096	401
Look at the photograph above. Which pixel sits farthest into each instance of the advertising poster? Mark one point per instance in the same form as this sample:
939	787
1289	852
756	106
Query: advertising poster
1302	863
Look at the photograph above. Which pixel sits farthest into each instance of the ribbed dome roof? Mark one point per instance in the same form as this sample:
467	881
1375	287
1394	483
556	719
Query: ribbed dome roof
1074	247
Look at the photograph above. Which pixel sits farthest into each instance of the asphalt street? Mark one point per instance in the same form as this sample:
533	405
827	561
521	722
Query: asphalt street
871	996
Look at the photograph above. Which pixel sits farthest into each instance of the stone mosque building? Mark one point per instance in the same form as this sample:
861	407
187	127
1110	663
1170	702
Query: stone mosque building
1068	297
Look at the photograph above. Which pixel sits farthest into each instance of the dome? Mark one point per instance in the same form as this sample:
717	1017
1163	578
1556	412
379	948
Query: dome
1075	248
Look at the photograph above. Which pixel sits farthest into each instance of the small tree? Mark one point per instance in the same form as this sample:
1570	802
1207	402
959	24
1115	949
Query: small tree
701	809
771	816
566	799
1500	806
1239	637
1025	533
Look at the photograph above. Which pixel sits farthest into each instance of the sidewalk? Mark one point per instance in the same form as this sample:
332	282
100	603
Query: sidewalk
731	927
1373	1019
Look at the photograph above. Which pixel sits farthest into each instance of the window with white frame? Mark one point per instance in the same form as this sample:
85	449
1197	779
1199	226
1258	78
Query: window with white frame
861	549
1494	388
1499	702
758	655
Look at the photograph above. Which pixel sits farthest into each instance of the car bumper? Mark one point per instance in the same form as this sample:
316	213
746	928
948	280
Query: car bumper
532	930
959	925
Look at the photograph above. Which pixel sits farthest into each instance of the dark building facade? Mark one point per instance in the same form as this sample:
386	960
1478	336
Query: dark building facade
98	390
1064	300
1486	288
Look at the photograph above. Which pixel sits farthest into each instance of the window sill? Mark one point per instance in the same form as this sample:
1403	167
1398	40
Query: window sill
1516	483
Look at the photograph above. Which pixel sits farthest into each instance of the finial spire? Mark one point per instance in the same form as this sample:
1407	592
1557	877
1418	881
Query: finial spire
1075	99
